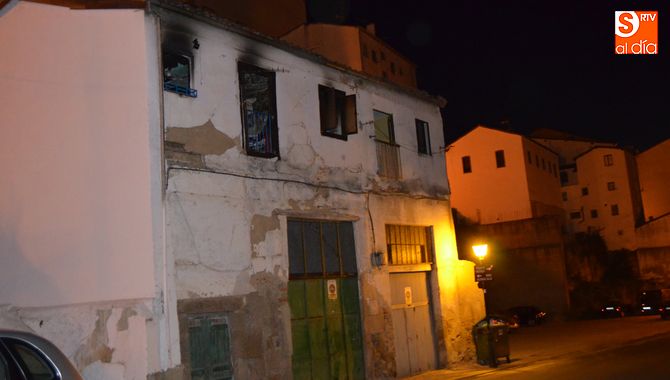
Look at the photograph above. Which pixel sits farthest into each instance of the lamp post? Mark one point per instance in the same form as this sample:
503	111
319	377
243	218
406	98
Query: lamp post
481	250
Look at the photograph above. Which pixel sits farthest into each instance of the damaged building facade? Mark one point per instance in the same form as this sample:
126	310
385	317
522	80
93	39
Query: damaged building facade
224	204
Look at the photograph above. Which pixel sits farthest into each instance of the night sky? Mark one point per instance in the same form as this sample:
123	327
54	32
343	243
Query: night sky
531	64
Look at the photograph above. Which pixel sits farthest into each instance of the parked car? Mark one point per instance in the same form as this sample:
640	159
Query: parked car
527	315
665	311
650	301
511	322
612	309
26	356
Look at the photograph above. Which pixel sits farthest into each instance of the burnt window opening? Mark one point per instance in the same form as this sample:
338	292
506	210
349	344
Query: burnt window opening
177	69
259	111
594	214
337	112
585	191
467	165
500	158
423	137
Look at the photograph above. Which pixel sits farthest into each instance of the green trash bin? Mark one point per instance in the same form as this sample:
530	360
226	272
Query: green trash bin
491	336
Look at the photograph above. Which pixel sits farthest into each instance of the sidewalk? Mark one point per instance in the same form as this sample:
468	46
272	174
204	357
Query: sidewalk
552	341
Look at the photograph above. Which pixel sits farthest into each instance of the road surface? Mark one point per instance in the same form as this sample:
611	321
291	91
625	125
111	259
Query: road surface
629	348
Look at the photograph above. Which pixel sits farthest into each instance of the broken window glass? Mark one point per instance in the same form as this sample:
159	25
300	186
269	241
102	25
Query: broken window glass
259	111
177	73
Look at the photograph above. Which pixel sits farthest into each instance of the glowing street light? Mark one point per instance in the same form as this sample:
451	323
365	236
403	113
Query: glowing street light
480	250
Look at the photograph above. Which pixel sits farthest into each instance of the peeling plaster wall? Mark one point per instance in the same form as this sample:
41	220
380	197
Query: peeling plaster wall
103	340
226	212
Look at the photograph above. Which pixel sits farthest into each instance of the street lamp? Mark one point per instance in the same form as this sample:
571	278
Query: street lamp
480	251
482	273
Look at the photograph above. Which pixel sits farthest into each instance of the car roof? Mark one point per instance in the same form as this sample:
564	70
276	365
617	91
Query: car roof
58	358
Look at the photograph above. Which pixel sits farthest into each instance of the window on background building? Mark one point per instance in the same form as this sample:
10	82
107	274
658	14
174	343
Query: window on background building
467	167
259	111
594	214
374	55
337	112
615	210
585	191
576	215
544	165
407	245
553	169
364	50
423	137
530	157
611	186
564	195
382	56
393	67
564	178
500	158
177	69
608	160
537	161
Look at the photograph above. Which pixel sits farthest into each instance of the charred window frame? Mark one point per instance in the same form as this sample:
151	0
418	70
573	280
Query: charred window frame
423	137
337	112
258	105
178	73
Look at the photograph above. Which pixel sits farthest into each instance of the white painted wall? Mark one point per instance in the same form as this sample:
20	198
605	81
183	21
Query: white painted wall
75	200
618	231
489	194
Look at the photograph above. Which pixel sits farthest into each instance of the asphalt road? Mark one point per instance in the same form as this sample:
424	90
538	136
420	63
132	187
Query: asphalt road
645	359
629	348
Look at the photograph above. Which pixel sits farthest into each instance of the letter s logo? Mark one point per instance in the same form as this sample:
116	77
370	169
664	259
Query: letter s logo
626	23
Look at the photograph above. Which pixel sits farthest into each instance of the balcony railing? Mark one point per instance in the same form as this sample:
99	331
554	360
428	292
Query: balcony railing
388	160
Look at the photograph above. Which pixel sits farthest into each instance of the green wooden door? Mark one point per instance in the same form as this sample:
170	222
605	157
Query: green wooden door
325	306
209	345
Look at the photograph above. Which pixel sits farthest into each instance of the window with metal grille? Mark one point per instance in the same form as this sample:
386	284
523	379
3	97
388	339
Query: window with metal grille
409	244
320	249
259	111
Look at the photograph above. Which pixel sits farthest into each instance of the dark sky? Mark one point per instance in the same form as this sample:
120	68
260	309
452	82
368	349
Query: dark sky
533	64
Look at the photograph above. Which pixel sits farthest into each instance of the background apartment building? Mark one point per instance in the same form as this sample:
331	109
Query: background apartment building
498	176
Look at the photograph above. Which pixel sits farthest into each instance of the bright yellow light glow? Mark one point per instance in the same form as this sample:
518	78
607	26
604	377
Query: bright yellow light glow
480	250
